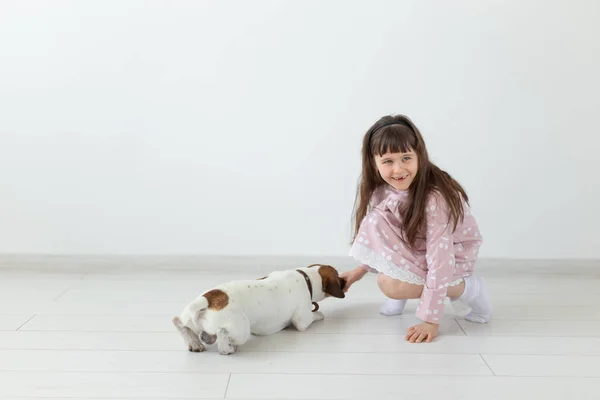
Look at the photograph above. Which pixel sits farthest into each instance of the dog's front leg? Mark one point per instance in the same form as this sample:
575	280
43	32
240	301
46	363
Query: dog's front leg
302	320
191	339
224	342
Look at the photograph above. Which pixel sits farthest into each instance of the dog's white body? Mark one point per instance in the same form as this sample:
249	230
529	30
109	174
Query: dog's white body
230	313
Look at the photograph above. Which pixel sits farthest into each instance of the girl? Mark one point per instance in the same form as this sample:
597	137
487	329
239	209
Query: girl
414	228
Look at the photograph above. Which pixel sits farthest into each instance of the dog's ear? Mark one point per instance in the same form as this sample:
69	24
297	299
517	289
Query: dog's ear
332	284
334	288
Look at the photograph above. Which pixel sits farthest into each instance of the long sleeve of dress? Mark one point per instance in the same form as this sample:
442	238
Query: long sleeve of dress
377	197
440	261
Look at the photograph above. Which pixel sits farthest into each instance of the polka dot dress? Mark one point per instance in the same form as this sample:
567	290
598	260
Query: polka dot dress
441	259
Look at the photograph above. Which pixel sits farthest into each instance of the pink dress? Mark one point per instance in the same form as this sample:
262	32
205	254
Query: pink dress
443	259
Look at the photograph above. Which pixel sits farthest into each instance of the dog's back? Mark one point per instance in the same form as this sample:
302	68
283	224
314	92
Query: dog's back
267	304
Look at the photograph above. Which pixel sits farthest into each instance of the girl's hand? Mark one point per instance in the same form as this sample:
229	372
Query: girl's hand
352	276
425	331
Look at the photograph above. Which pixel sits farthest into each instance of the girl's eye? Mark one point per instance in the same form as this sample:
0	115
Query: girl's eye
406	159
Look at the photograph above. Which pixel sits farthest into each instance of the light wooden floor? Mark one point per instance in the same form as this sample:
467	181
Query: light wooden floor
104	331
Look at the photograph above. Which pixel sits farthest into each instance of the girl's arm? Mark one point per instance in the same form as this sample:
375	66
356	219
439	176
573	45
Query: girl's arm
440	261
366	268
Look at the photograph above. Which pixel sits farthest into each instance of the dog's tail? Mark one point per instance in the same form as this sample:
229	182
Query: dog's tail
193	311
200	304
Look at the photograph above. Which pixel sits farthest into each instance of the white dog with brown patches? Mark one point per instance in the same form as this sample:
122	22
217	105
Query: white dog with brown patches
228	314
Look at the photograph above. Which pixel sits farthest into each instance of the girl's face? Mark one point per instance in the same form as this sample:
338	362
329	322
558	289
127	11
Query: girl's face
398	169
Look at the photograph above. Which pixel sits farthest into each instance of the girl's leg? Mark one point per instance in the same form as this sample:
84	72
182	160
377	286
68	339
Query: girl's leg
397	292
395	289
477	299
392	307
472	291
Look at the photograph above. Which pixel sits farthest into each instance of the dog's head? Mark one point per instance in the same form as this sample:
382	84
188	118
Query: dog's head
331	283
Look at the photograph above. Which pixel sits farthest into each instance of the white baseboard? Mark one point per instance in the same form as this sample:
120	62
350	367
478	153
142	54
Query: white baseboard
106	263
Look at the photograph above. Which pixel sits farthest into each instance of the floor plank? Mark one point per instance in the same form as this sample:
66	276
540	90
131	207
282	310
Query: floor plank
113	385
390	387
291	341
533	328
584	366
264	362
13	322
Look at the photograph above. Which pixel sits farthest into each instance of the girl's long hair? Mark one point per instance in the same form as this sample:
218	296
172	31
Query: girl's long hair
399	134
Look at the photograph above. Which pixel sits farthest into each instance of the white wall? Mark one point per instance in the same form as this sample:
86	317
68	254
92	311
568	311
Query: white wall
235	127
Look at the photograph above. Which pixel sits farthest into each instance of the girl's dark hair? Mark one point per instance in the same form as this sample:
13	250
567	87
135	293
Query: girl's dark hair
399	134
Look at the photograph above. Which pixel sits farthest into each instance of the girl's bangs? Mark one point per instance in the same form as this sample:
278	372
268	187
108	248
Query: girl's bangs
393	139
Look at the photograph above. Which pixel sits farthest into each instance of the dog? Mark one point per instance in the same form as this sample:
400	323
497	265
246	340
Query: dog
230	313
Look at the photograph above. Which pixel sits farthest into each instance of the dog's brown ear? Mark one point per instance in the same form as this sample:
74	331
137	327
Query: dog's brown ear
335	289
332	284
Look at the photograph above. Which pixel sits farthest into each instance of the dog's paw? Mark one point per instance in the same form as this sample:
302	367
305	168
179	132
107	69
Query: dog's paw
318	316
196	347
227	350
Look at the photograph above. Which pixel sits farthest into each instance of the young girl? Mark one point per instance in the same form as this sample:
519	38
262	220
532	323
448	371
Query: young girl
414	228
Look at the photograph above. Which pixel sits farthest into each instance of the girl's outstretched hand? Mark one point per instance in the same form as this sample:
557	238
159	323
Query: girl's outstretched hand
352	276
425	331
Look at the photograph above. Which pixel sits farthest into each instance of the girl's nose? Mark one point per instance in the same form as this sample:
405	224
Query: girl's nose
398	169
